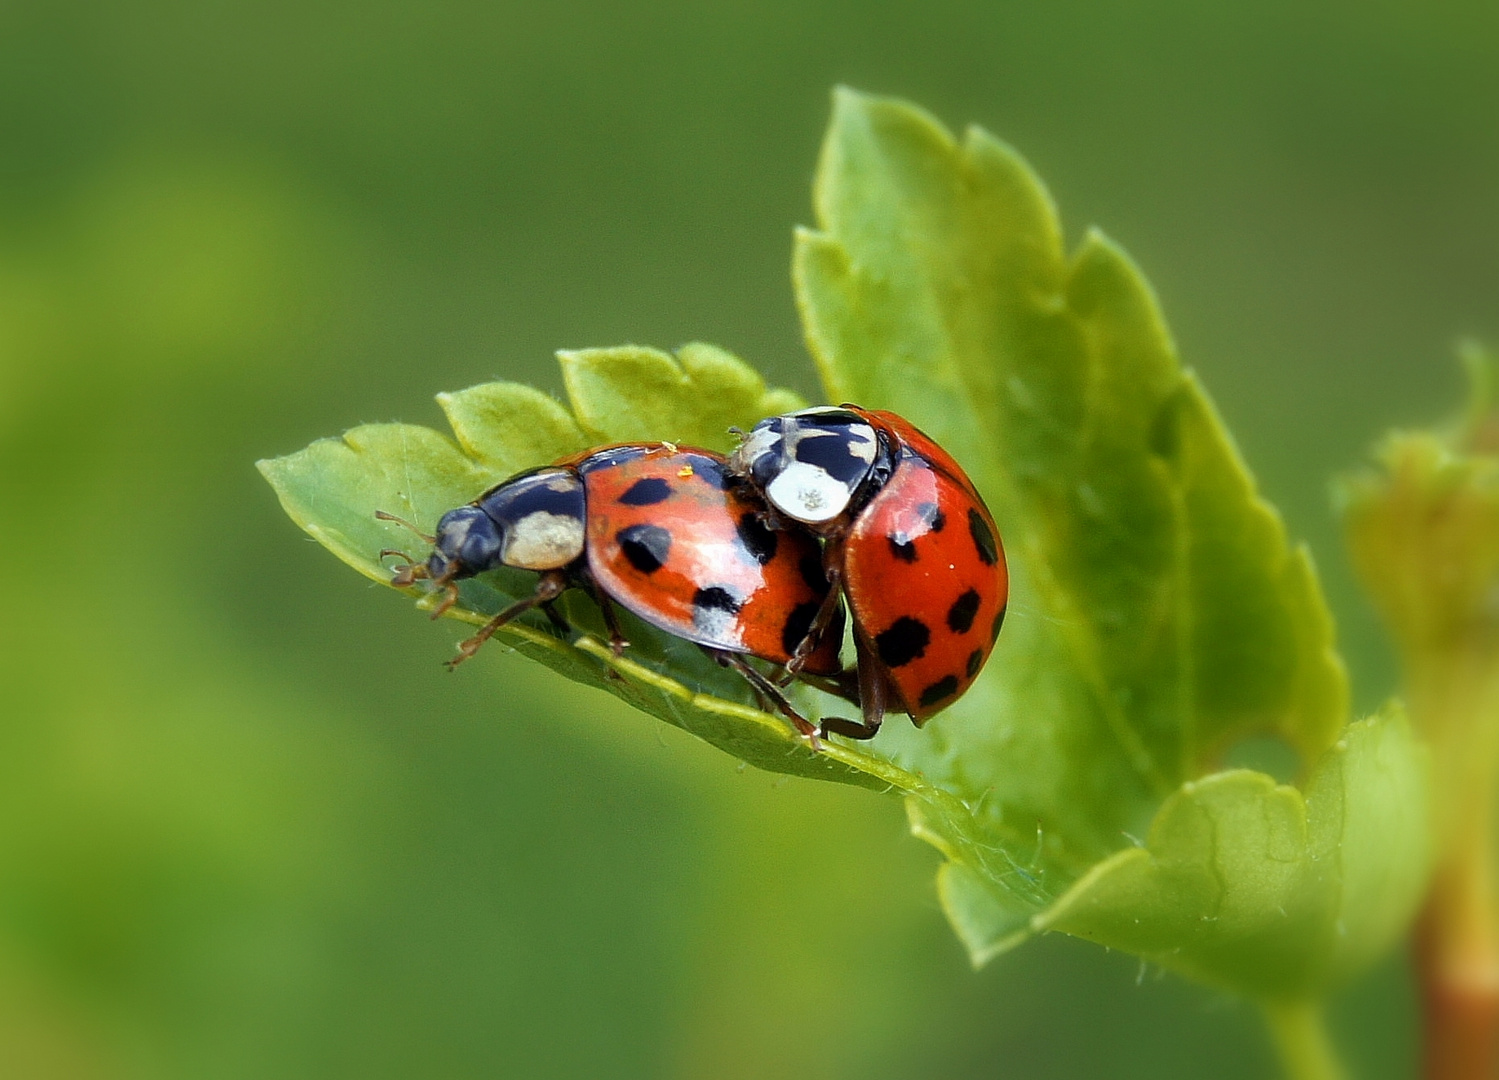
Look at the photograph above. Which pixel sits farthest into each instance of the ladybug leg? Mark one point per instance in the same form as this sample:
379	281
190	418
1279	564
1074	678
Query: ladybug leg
617	640
769	690
845	684
556	618
832	566
763	703
551	586
873	696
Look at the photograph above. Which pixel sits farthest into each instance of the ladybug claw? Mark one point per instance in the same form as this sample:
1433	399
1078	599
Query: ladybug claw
466	650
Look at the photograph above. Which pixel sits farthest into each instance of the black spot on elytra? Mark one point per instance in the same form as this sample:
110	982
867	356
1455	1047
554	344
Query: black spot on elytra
940	690
906	640
716	598
646	492
758	540
813	573
903	544
901	547
999	621
932	514
645	546
797	625
960	615
832	455
710	472
975	661
983	538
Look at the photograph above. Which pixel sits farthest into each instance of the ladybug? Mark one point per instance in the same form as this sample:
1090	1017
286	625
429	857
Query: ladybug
907	540
665	532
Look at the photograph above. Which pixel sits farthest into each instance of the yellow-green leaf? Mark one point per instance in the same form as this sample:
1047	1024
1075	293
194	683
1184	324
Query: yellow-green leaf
1159	613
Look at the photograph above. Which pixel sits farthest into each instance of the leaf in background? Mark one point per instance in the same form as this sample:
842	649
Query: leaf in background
1423	530
1158	613
1424	534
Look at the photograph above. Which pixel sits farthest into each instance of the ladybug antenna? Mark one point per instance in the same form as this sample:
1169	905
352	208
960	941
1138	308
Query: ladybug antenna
398	553
414	571
383	516
406	575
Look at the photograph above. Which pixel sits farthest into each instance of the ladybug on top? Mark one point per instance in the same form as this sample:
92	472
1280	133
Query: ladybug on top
907	540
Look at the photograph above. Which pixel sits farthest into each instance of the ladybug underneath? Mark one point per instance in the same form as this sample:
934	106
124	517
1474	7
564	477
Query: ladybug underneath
665	532
907	540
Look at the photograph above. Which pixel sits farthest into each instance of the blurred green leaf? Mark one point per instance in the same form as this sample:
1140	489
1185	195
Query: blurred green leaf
1159	614
1424	533
1423	529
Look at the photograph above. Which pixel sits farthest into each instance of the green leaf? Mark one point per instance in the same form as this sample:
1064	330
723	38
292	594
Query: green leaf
333	488
1159	614
629	394
1262	887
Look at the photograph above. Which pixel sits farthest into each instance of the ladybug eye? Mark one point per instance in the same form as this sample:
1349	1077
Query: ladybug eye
467	544
759	452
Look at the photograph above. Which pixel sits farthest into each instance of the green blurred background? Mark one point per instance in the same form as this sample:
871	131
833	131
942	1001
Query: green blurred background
250	828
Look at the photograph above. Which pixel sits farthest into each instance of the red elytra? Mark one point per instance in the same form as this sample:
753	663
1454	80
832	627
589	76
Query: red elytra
908	542
673	540
924	573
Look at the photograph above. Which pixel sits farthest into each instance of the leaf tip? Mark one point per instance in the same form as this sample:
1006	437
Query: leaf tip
846	97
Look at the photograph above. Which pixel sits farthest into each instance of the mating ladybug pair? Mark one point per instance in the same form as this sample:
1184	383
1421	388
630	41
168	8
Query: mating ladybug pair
754	555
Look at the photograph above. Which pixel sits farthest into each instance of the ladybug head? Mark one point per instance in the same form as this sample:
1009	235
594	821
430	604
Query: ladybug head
464	545
467	543
810	463
533	521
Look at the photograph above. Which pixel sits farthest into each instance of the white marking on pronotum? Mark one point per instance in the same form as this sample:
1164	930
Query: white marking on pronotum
808	494
761	440
454	531
544	541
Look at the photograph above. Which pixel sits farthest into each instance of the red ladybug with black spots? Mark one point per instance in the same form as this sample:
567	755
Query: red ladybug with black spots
907	540
665	532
